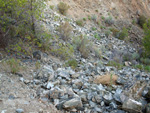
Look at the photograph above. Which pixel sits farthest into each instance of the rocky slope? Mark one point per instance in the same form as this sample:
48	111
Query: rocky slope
95	86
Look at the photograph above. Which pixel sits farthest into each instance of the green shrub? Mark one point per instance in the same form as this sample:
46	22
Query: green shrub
141	20
84	48
89	17
109	20
82	45
107	33
103	18
147	68
94	17
73	63
63	8
65	30
94	28
80	23
146	39
145	61
123	34
97	36
64	51
115	64
84	19
135	56
14	65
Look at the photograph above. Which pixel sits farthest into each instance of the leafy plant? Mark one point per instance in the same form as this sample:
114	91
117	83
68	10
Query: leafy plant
63	8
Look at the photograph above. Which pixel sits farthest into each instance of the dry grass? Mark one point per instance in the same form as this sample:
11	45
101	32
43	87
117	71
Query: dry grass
65	30
107	79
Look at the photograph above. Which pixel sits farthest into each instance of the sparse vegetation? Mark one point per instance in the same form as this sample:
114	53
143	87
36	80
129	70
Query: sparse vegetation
146	39
123	34
141	20
97	36
80	23
94	18
73	63
115	64
82	45
109	20
14	65
63	8
65	30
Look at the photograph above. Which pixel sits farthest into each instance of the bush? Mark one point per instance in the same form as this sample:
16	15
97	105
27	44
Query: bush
84	48
80	23
107	33
123	34
114	31
109	20
146	39
63	8
145	61
141	20
64	51
65	30
94	17
97	36
82	45
73	63
115	64
14	65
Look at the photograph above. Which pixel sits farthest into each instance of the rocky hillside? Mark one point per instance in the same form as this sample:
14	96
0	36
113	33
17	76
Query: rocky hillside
87	68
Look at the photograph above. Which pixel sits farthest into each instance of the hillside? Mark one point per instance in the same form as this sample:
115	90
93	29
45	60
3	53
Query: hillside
78	56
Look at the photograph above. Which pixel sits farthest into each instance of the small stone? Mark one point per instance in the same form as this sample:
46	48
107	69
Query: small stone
92	104
19	110
108	98
148	108
37	55
97	109
22	79
49	85
73	103
132	106
118	111
56	93
102	103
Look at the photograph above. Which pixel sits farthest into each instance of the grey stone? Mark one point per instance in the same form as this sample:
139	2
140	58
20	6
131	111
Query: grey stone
92	104
19	111
37	55
98	110
132	106
148	108
108	97
118	111
117	95
113	105
73	103
56	93
49	85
